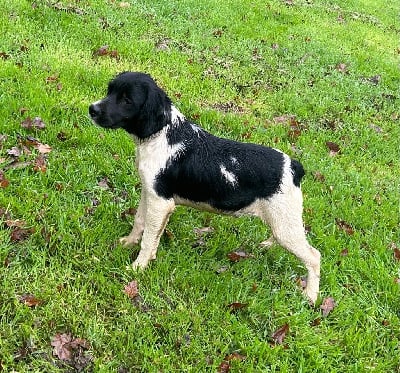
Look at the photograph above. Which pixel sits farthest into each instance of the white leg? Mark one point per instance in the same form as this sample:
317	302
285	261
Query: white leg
138	226
157	215
284	215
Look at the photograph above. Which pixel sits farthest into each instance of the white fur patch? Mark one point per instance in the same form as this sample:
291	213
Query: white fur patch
176	115
234	161
153	154
229	176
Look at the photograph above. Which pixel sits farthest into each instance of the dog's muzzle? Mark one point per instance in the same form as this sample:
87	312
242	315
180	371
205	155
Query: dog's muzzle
94	111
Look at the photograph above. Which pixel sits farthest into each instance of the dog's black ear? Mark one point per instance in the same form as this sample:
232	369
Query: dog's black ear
155	112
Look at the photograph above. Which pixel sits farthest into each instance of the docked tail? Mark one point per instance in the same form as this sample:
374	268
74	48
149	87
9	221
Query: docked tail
297	171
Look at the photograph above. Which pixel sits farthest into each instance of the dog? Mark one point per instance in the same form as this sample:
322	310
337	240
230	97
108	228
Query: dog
180	163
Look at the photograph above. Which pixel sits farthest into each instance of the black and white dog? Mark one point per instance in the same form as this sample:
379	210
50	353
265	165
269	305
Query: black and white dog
180	163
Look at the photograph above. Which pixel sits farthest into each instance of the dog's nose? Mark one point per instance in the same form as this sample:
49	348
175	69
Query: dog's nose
94	110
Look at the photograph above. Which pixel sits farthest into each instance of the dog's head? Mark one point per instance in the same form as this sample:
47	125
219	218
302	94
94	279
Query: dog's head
135	103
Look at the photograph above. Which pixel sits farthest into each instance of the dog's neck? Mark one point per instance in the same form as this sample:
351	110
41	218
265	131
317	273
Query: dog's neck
174	119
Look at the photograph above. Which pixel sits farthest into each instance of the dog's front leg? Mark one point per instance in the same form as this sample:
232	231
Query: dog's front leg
138	225
156	218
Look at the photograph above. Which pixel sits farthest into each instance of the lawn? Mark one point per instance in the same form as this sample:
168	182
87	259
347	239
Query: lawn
317	79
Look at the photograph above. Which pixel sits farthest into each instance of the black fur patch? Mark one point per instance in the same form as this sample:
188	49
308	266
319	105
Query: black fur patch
196	174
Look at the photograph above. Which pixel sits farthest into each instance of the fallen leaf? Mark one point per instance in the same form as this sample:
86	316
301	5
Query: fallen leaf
62	136
52	79
333	148
29	300
4	183
70	349
131	289
285	118
376	128
316	322
35	123
11	223
163	44
28	141
319	176
203	231
14	152
396	253
43	148
221	269
327	306
104	183
19	234
280	334
342	68
344	252
374	79
4	56
40	163
62	346
224	367
236	256
237	306
104	51
344	226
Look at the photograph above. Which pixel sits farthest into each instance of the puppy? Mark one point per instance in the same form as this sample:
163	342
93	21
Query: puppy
181	164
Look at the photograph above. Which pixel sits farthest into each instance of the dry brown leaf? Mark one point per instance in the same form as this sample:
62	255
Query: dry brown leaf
4	183
224	367
280	334
131	289
20	234
236	256
14	152
342	68
40	163
327	306
70	349
35	123
43	148
237	306
346	227
334	148
29	300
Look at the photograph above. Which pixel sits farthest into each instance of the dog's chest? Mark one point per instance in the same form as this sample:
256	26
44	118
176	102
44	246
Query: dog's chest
153	155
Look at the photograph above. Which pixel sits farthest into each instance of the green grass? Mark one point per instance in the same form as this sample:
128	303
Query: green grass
263	60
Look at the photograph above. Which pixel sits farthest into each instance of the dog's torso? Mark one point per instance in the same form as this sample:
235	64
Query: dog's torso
195	168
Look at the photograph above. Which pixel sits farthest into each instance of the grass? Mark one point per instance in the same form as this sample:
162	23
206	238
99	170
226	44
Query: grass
241	70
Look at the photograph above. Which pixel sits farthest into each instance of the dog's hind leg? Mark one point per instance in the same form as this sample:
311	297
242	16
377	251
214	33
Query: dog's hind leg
284	215
156	218
138	225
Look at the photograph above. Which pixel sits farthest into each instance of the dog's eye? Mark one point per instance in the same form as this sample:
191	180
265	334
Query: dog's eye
126	100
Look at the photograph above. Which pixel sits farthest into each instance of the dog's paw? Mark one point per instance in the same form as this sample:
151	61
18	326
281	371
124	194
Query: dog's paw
312	296
128	241
138	265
